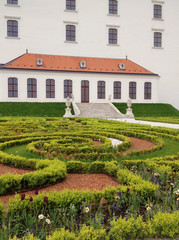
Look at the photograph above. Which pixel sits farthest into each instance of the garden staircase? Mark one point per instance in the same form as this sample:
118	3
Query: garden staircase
98	110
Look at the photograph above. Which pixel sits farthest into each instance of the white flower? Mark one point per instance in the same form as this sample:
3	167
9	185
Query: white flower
148	208
41	216
117	197
86	209
48	221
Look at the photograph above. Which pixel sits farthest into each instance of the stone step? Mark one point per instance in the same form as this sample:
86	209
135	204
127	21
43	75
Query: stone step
97	110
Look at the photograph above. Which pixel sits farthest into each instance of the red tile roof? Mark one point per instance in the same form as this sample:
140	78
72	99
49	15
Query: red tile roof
72	64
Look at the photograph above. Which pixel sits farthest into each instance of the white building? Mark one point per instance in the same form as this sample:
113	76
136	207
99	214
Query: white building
144	30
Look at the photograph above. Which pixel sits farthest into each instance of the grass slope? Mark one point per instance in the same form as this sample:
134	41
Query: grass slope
32	109
149	109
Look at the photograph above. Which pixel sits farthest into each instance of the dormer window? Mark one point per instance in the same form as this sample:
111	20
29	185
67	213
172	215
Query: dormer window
82	64
122	66
39	62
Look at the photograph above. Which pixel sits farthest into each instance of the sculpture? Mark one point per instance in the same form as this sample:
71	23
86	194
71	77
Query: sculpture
129	113
68	109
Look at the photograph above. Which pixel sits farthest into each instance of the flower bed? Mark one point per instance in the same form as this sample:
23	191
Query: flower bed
145	205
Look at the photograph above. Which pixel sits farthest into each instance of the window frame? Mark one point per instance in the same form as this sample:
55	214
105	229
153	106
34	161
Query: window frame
71	5
113	7
157	41
32	93
13	92
101	89
70	34
51	86
12	32
147	90
157	13
117	90
67	85
111	37
12	2
133	90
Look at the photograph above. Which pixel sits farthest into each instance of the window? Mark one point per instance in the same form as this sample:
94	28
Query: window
50	88
70	33
101	89
112	7
147	90
158	11
12	28
157	39
67	88
13	2
70	4
117	90
31	88
112	35
12	87
132	90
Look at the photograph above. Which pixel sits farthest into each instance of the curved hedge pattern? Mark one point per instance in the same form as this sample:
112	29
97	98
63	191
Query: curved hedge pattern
66	146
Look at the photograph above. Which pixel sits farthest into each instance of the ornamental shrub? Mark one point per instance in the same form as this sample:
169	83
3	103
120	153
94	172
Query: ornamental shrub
124	229
164	224
62	235
89	233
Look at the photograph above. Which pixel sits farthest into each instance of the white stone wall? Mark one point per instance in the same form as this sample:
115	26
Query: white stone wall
76	78
42	30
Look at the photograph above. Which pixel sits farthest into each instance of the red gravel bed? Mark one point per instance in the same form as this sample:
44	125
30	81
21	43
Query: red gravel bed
73	181
139	144
7	169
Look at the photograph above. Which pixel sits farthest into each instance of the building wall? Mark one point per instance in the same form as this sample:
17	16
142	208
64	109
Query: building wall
76	78
42	30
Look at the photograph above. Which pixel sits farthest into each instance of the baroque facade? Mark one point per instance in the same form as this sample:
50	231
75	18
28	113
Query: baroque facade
144	30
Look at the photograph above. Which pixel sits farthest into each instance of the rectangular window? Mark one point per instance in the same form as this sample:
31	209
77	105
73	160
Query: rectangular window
132	90
112	37
70	33
157	39
101	89
70	4
147	90
31	88
67	88
112	7
12	28
12	87
50	88
158	11
117	90
13	2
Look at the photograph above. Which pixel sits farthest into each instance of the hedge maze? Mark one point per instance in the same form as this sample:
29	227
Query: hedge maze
144	205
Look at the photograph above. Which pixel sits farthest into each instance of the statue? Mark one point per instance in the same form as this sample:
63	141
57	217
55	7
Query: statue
68	109
129	113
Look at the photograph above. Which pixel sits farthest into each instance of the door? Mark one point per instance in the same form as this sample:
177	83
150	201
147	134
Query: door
85	91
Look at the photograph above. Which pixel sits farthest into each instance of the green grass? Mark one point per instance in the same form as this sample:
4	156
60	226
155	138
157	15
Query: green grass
32	109
171	148
174	120
21	151
149	109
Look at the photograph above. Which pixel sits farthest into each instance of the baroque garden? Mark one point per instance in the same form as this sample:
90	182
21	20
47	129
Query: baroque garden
144	204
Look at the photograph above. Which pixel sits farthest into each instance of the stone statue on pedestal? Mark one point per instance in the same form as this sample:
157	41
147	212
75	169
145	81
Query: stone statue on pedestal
68	109
129	113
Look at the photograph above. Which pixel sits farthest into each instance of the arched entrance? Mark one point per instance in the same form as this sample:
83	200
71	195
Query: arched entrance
85	91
